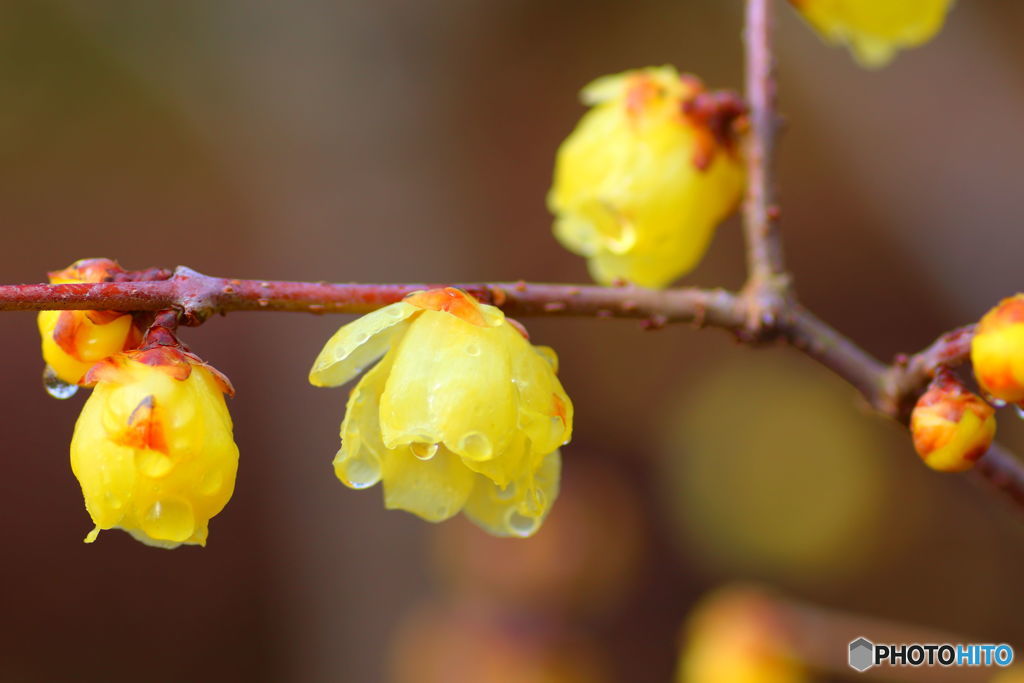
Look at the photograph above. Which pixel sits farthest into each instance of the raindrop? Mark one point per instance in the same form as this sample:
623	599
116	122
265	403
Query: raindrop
473	350
57	387
361	338
1020	410
362	470
521	525
169	520
153	464
476	446
211	482
996	402
423	451
395	312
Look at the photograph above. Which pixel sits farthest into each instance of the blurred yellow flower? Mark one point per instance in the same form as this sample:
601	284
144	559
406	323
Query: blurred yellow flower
736	635
462	413
951	426
875	29
74	340
153	448
648	173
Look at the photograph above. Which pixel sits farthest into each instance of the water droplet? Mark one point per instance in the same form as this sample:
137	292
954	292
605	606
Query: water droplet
476	446
211	482
395	312
521	525
996	402
473	350
1020	410
57	387
507	493
169	520
362	470
423	451
153	464
360	338
112	500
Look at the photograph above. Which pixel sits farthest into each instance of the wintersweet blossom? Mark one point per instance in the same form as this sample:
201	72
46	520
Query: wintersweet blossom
461	413
647	175
875	30
997	350
74	340
153	448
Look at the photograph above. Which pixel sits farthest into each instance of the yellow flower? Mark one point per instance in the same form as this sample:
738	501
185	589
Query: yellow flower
74	340
647	175
153	447
875	29
951	426
997	350
462	412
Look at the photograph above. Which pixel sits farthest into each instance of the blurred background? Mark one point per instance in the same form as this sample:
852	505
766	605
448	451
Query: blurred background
394	140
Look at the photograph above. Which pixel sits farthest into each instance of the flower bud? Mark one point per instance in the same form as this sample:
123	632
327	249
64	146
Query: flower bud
997	351
875	29
647	175
153	447
951	426
74	340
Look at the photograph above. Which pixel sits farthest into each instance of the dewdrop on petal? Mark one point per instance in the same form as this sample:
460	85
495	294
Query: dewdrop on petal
997	351
874	30
646	176
951	426
153	448
74	340
462	413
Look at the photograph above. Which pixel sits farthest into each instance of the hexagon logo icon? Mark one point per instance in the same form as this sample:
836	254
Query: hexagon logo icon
862	654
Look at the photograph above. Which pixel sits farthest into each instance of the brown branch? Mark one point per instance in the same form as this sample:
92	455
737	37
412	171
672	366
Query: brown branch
768	282
198	296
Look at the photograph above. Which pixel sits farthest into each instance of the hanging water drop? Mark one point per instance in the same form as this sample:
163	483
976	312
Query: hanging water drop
1020	410
996	402
521	525
423	451
361	471
57	387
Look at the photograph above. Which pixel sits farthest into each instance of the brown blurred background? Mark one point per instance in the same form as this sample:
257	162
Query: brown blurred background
398	140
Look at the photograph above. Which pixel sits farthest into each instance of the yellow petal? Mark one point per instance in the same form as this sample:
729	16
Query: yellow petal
545	411
451	383
520	508
434	489
358	344
359	462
